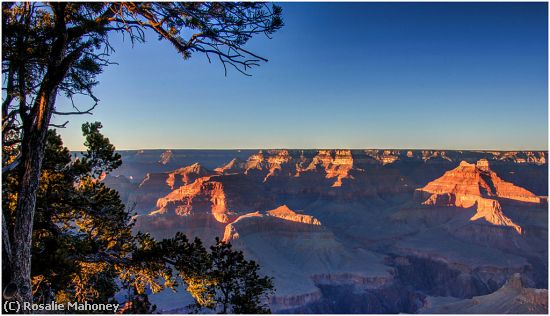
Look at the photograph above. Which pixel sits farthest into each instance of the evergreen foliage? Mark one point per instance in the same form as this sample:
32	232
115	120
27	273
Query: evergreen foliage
59	48
84	249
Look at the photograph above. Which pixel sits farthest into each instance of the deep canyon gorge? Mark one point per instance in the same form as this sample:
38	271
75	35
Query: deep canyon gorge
359	231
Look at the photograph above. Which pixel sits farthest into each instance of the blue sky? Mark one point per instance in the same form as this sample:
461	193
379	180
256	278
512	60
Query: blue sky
343	75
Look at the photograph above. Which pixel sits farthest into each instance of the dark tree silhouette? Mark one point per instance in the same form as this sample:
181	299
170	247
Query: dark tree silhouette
61	47
83	242
82	231
220	280
238	288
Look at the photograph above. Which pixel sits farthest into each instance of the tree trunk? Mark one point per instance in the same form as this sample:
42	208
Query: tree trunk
35	131
32	151
6	254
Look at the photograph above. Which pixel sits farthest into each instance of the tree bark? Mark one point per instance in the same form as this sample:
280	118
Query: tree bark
6	253
32	155
35	131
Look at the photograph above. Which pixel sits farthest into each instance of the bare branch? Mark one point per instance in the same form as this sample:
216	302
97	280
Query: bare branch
12	165
59	125
88	111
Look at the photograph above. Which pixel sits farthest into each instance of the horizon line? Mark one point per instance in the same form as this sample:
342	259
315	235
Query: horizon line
335	148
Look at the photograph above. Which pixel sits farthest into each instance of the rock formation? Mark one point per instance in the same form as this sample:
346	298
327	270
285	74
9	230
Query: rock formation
200	196
336	164
287	214
276	161
476	185
511	298
538	158
158	184
301	254
234	166
385	157
341	231
186	175
165	157
274	221
255	162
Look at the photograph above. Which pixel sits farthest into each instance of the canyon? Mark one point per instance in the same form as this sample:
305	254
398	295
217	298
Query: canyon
359	231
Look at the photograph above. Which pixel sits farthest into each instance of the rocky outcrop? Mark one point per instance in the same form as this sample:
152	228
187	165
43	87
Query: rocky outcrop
235	166
478	180
165	157
302	255
186	175
434	155
280	220
336	164
476	186
487	209
384	157
512	298
158	184
203	196
275	162
530	157
287	214
255	162
491	211
322	223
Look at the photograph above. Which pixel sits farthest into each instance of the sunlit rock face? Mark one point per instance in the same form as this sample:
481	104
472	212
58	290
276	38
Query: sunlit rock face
165	157
347	230
477	179
201	196
200	209
300	253
434	155
186	175
487	209
336	164
279	220
476	185
235	166
276	161
287	214
255	162
385	156
534	157
155	185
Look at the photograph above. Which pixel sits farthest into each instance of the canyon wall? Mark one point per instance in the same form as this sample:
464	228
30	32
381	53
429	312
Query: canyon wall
356	231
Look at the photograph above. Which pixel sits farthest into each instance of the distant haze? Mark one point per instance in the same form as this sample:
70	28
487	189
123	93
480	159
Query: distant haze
342	75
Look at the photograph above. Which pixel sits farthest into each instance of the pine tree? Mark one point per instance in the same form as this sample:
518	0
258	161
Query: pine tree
223	281
59	48
82	236
83	242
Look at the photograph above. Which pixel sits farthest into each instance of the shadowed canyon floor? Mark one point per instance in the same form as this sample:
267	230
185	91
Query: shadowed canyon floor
360	231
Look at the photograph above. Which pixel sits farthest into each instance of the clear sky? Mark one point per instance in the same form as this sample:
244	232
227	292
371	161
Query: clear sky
343	75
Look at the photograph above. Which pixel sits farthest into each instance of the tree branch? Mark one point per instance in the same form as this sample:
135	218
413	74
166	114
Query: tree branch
12	165
59	125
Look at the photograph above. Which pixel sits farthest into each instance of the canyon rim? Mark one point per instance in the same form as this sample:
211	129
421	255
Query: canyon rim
359	231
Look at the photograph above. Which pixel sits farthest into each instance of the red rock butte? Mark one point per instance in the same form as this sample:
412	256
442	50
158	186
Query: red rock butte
476	185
